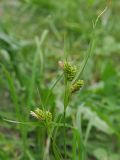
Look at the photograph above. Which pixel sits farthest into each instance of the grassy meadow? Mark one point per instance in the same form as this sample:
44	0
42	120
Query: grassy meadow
59	80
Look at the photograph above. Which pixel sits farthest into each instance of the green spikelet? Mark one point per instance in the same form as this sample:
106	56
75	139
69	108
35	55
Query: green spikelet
42	115
69	71
48	116
76	86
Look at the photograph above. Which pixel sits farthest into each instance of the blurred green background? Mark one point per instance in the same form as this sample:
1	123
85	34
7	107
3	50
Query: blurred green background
31	26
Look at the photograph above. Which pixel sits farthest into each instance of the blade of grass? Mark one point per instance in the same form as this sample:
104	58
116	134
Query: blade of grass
16	104
39	42
56	152
38	53
32	84
52	87
12	92
74	144
81	148
91	45
30	156
89	127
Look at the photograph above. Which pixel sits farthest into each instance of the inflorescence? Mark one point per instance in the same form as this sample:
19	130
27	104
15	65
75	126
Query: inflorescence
42	115
70	73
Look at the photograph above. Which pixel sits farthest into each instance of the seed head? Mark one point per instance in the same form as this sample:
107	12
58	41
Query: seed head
48	116
42	115
69	71
77	85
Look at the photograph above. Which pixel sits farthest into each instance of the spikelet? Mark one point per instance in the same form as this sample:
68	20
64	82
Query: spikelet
42	115
34	114
77	85
69	71
48	116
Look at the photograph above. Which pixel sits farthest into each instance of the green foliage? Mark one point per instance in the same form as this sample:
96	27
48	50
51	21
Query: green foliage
31	44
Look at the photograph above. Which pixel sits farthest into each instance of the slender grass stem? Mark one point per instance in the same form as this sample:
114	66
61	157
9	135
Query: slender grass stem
64	133
14	98
66	98
56	151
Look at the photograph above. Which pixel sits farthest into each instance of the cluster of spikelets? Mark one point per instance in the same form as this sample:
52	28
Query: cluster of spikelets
70	73
42	115
77	85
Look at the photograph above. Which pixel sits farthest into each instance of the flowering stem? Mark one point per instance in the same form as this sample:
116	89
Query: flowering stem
66	100
64	134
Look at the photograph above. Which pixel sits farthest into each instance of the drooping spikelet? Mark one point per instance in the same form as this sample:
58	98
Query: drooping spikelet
69	71
77	85
42	115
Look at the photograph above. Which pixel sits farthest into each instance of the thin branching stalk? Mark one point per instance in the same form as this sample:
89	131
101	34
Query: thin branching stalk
66	101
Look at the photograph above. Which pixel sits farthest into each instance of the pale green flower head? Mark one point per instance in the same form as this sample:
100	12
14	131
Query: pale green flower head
77	85
69	71
42	115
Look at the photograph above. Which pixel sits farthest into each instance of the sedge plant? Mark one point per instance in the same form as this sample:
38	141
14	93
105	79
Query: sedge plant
72	84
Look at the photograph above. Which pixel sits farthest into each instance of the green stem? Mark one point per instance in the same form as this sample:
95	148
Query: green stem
66	98
58	155
64	133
